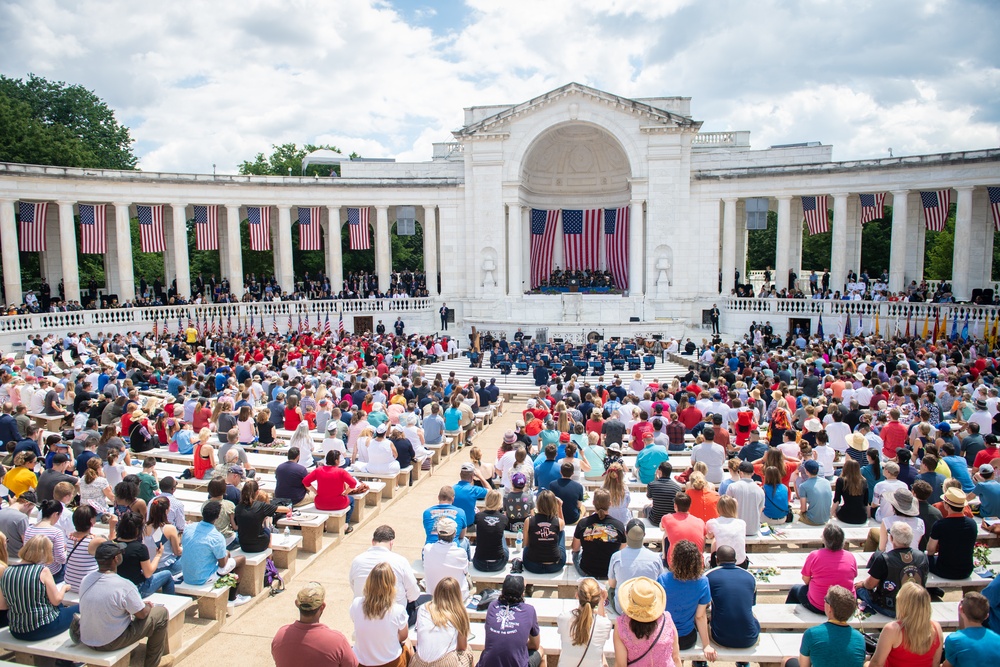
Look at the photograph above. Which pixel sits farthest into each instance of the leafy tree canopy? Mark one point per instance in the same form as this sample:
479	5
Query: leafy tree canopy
287	159
55	123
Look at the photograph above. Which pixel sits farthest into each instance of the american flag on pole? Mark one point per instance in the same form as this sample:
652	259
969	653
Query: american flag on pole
274	323
259	218
32	218
872	207
253	327
357	222
994	194
290	326
340	325
229	324
217	326
151	228
309	228
936	205
156	328
206	227
326	325
814	209
581	239
543	236
93	229
616	244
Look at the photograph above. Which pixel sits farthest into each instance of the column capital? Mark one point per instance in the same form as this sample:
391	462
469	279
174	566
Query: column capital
175	204
231	205
280	207
899	193
119	204
730	200
381	208
965	188
785	197
65	203
840	194
7	200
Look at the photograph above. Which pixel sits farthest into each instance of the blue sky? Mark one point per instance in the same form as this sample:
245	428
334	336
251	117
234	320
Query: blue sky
215	83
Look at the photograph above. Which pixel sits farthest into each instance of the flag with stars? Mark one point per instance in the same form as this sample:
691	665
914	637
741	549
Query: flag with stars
309	228
994	194
936	206
616	224
360	232
543	236
340	325
259	218
32	219
872	207
93	229
206	227
326	324
815	212
151	228
581	239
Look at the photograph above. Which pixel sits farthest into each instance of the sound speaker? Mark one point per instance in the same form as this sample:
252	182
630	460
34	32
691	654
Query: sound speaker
633	319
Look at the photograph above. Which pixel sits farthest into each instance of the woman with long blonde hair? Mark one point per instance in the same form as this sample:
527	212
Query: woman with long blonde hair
913	639
377	617
586	629
563	425
442	629
614	484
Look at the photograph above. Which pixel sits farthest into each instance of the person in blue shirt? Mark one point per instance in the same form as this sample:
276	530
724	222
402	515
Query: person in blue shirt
650	458
974	645
958	466
467	493
815	496
569	492
688	596
434	426
987	489
834	643
546	468
174	386
205	548
445	508
992	595
734	593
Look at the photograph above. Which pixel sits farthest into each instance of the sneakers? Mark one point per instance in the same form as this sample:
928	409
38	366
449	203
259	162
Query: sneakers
240	600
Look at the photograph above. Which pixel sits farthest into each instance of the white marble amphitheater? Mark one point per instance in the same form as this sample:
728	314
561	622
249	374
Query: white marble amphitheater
572	148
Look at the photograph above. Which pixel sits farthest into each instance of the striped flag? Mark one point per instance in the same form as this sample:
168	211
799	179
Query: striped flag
94	229
819	327
290	326
156	328
206	227
274	323
253	330
872	207
217	326
814	209
543	235
357	222
309	228
32	219
326	325
616	223
581	239
259	218
994	194
229	324
151	228
340	325
936	205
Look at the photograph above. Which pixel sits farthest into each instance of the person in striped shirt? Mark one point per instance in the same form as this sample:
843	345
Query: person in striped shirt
31	595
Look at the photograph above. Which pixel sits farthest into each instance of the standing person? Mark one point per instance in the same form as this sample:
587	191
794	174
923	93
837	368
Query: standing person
714	315
116	615
646	636
380	624
597	538
442	629
512	632
308	641
734	594
31	595
443	311
823	569
834	643
973	644
953	538
688	597
585	630
913	639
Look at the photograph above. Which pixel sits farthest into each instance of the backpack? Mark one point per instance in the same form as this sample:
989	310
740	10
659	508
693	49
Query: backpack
272	578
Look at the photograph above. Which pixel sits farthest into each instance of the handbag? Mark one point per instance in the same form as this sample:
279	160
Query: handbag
652	644
586	648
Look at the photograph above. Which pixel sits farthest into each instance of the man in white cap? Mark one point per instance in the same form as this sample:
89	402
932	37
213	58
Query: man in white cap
444	558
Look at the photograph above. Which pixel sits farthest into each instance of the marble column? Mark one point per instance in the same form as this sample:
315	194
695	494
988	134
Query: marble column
334	249
838	250
123	244
283	267
67	246
514	283
741	240
383	249
728	266
231	250
182	265
898	249
636	249
782	258
9	252
431	249
960	279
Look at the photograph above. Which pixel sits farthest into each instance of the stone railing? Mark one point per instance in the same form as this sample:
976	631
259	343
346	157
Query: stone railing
756	279
262	312
738	138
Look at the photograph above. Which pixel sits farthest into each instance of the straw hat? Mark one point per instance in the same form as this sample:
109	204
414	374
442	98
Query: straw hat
955	498
642	599
857	442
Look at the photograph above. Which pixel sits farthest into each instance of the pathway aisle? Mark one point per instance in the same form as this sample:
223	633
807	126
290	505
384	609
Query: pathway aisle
245	639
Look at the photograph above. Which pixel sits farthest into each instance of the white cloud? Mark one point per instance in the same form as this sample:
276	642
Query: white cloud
203	83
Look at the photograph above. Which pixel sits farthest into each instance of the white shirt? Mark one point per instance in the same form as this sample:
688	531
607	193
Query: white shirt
375	640
433	642
406	583
838	432
880	495
729	532
445	559
824	455
713	456
574	655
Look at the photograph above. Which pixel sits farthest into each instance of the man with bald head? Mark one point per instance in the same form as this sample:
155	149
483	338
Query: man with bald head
734	593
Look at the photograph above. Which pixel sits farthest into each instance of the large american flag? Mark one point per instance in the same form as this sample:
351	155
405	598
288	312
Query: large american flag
994	194
582	239
814	209
872	207
616	244
206	227
259	218
543	236
357	222
936	205
93	229
151	228
32	218
309	227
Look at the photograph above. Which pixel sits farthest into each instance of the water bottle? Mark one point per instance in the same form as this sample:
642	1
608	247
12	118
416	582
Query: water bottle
519	542
288	534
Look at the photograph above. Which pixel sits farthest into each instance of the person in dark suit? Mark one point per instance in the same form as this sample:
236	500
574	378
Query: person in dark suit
444	316
714	314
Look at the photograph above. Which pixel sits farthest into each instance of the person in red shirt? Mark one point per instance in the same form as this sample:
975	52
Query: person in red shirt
987	455
332	484
690	416
639	431
308	641
681	526
893	435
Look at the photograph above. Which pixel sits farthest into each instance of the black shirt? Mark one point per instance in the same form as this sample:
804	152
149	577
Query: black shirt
490	526
47	483
854	509
662	492
404	451
289	476
134	555
265	433
956	538
600	539
250	526
543	539
571	495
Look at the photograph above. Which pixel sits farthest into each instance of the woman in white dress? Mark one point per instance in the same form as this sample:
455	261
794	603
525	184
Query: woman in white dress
359	453
381	455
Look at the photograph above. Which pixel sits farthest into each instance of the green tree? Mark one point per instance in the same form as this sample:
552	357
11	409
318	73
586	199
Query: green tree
286	160
816	249
52	122
761	246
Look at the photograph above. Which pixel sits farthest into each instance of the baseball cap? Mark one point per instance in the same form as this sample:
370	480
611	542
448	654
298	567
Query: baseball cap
986	470
564	437
237	470
467	467
812	467
446	527
635	534
108	550
518	480
381	429
310	597
943	426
